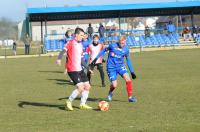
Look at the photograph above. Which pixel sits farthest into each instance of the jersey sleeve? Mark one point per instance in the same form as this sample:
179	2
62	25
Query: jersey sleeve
102	52
128	61
103	47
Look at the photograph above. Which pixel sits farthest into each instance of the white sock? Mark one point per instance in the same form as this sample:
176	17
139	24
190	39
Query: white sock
84	97
73	95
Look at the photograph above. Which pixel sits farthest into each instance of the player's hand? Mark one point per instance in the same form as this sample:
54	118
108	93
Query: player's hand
91	72
58	62
133	75
103	60
93	62
65	72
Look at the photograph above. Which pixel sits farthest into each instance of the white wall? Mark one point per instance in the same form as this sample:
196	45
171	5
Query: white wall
60	29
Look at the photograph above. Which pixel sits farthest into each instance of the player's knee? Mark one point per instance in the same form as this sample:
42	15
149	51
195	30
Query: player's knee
87	87
80	88
128	80
114	85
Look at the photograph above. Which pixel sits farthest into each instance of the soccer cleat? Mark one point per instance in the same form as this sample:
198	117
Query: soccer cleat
103	85
85	107
68	105
132	99
110	96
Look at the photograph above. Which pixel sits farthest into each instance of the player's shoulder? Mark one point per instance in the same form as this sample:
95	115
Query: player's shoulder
113	45
90	45
126	48
70	41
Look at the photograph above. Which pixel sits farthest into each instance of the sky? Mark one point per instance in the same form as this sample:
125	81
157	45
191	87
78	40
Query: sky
16	9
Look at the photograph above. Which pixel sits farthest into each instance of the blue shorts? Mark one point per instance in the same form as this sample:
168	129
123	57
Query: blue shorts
112	72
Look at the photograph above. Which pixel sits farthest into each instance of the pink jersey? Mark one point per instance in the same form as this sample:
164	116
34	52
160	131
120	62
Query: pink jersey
74	55
94	51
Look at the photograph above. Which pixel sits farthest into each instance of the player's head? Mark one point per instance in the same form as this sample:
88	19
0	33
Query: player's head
85	36
95	39
68	33
79	34
122	41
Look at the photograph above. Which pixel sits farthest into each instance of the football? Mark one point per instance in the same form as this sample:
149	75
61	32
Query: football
103	106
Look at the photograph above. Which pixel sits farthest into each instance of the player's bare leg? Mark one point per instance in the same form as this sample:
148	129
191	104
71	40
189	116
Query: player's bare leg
112	88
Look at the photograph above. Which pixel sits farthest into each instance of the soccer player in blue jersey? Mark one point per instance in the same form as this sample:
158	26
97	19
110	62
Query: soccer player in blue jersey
86	42
115	66
68	36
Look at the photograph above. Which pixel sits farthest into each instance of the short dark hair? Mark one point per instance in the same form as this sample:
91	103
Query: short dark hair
78	30
95	36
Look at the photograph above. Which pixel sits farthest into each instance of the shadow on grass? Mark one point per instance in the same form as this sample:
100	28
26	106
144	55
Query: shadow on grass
22	104
91	99
51	71
62	81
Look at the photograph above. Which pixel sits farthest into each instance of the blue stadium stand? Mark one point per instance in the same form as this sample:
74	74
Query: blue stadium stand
166	40
157	40
54	45
154	41
142	40
131	41
160	40
173	39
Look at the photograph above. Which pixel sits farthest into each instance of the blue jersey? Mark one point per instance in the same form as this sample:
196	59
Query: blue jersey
86	44
116	56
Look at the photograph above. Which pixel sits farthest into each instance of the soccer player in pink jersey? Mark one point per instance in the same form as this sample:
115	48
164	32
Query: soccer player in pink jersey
93	50
75	61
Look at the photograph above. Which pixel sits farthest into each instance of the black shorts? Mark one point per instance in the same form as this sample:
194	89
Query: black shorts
78	76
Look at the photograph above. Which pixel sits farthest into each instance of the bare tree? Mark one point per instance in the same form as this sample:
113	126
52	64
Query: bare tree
134	21
8	29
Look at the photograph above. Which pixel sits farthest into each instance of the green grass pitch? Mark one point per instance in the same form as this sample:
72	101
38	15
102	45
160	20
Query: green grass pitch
32	93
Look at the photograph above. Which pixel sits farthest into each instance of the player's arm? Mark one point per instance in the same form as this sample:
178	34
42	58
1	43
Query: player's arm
60	56
102	52
104	56
84	64
129	64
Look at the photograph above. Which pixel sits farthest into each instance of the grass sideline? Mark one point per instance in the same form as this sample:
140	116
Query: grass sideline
33	90
20	51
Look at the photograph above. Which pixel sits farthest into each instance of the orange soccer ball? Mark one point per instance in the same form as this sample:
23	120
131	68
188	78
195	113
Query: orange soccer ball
103	106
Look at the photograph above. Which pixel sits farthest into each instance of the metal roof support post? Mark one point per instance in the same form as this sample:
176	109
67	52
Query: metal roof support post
45	27
27	26
45	36
119	25
192	19
42	44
